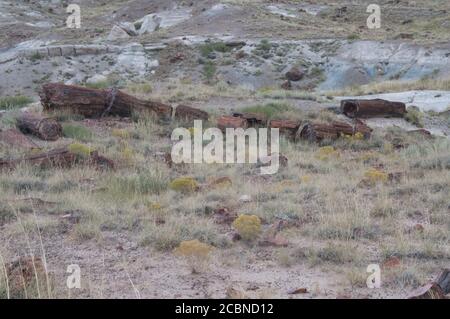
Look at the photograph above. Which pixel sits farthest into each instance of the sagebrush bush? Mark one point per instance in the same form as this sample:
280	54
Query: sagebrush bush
248	226
184	185
375	176
121	133
327	152
80	150
196	253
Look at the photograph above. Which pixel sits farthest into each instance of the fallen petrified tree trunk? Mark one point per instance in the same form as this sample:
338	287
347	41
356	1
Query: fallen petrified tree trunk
60	157
225	122
93	103
187	113
316	132
435	290
47	129
253	119
372	108
287	127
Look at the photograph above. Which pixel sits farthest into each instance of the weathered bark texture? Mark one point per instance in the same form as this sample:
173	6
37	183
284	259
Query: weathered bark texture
225	122
435	290
187	113
93	103
14	138
372	108
253	119
60	157
46	129
287	127
316	132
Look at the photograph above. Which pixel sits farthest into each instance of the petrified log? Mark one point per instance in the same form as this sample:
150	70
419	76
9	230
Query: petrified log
47	129
253	119
93	103
444	281
317	132
15	138
372	108
60	157
187	113
438	289
225	122
287	127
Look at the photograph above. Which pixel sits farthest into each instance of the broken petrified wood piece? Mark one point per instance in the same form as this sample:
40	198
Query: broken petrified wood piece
316	132
187	113
46	129
287	127
60	157
372	108
253	119
435	290
93	103
225	122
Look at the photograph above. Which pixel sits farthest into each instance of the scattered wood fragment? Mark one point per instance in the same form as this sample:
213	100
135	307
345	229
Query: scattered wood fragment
225	122
94	103
298	291
372	108
47	129
187	113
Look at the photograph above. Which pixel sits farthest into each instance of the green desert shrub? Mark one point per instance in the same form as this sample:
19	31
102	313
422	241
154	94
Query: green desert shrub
12	102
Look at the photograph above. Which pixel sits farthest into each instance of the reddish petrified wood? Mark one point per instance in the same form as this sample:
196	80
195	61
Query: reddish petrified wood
317	132
372	108
437	289
253	119
187	113
287	127
93	103
47	129
225	122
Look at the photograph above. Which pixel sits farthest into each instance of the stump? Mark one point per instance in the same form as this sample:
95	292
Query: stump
372	108
46	129
93	103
